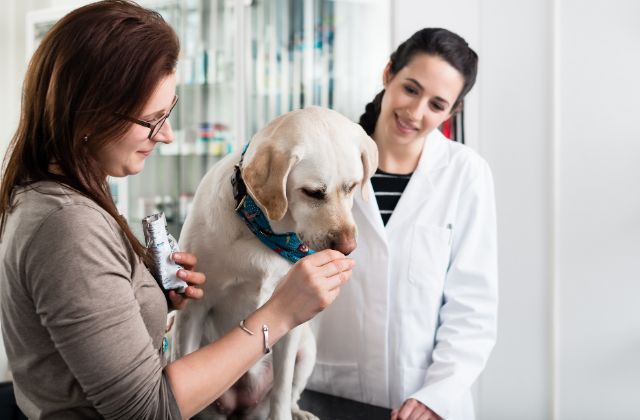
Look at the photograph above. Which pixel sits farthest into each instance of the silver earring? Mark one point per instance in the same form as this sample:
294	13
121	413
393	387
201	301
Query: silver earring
85	138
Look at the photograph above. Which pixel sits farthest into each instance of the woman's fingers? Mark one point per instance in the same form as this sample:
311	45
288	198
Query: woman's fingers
328	263
406	410
185	259
177	301
331	269
413	409
337	266
193	293
191	277
337	279
323	257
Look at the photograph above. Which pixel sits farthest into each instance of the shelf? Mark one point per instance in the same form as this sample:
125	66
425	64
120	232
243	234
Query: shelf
217	149
201	85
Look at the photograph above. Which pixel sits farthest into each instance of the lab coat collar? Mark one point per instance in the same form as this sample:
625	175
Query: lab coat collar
371	212
434	156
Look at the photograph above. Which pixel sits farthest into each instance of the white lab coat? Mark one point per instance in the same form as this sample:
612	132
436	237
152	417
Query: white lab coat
418	318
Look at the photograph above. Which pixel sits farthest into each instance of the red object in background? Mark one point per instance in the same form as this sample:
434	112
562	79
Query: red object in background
446	128
453	128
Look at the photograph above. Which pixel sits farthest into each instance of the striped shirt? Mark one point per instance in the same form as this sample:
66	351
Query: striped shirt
388	189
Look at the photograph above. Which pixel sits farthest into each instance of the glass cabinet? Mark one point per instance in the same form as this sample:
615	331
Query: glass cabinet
242	63
204	120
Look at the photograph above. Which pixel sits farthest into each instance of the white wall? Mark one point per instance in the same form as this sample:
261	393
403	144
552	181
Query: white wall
10	28
558	93
353	68
14	62
516	110
13	51
598	209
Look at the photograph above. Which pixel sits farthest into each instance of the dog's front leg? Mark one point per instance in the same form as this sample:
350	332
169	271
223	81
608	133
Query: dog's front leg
284	358
305	361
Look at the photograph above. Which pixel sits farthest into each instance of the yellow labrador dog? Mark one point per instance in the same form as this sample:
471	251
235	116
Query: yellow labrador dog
301	170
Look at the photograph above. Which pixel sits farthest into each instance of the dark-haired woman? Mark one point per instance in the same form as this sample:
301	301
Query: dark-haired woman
416	324
82	317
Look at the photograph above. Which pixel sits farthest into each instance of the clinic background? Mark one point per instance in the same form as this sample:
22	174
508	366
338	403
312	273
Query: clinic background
555	113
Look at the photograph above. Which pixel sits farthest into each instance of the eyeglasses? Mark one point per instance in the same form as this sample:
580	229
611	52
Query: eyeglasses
154	128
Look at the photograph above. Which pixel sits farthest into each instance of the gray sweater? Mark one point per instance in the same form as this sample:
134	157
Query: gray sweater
82	318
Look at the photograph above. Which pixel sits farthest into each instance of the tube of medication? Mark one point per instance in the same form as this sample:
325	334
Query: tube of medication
160	244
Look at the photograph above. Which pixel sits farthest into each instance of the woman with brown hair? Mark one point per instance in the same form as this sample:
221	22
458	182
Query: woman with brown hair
82	317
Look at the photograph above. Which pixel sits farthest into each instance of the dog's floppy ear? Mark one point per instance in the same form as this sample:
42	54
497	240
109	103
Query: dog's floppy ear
265	176
369	156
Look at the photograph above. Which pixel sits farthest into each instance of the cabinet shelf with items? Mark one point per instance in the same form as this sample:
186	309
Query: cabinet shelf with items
242	63
203	120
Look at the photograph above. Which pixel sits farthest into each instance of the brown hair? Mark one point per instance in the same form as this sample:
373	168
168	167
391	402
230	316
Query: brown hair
101	59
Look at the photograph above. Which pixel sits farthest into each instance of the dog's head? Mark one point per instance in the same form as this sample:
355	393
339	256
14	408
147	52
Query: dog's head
303	168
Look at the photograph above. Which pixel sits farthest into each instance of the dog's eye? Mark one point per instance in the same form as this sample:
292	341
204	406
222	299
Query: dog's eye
350	188
316	194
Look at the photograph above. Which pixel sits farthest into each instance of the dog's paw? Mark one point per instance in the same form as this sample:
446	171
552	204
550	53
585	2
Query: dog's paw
302	415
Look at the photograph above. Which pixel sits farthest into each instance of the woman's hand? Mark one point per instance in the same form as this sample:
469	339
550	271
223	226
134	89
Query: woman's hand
413	409
193	278
311	285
